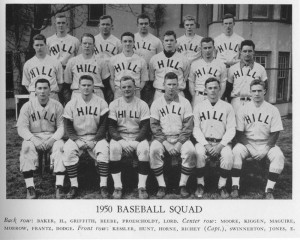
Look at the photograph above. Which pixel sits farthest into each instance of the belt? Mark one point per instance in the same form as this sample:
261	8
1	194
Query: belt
201	93
215	140
245	98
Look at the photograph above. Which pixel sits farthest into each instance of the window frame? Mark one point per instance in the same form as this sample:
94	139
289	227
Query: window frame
270	13
181	24
286	70
95	22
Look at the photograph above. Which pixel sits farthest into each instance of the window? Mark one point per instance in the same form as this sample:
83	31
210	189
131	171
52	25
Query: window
189	9
9	75
95	11
283	76
286	13
260	11
262	58
227	8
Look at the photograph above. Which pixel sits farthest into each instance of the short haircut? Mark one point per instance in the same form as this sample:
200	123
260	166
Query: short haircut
60	16
126	78
247	43
86	77
212	79
87	35
142	16
170	75
39	37
170	33
228	15
106	17
127	34
207	40
258	82
42	80
188	18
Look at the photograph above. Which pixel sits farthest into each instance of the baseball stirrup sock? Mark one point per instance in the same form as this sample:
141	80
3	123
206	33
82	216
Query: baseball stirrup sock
224	173
143	168
273	176
186	171
102	169
28	174
235	172
72	171
200	172
158	171
115	167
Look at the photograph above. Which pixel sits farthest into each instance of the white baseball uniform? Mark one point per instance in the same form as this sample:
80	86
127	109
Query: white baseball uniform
228	47
213	125
48	68
200	71
106	48
190	47
63	48
241	79
257	123
43	123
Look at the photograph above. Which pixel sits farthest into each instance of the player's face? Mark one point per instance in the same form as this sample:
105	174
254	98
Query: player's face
39	47
42	91
247	53
143	25
171	86
105	26
189	26
127	88
228	25
127	43
86	87
257	93
212	90
169	43
207	49
61	24
87	45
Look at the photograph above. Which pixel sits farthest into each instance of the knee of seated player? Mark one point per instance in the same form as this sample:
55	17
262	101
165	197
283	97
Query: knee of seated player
143	151
71	152
101	150
156	150
58	146
226	160
240	151
276	158
115	149
27	147
200	153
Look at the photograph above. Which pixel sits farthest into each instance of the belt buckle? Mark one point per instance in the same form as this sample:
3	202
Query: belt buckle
214	140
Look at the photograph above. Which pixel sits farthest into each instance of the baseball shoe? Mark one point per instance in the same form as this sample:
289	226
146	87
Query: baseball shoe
223	192
161	192
199	191
73	193
117	193
269	194
234	191
183	192
104	192
31	193
59	192
143	193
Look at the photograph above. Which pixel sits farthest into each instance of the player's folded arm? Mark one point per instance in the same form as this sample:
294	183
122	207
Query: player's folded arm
273	137
241	138
69	130
157	130
187	129
144	127
101	132
113	129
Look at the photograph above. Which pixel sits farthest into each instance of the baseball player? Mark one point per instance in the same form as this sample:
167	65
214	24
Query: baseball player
213	130
204	68
106	44
168	61
85	124
41	126
86	64
228	43
241	74
129	124
258	127
42	66
127	63
172	124
189	44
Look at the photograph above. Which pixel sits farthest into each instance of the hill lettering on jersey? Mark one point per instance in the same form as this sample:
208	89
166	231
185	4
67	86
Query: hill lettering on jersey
87	111
35	116
122	66
130	114
260	118
211	71
188	47
226	46
146	46
211	115
54	50
168	63
106	48
240	73
38	71
86	68
174	110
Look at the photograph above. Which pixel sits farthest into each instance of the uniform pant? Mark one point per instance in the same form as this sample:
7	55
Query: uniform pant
97	91
53	95
275	155
118	93
236	103
159	93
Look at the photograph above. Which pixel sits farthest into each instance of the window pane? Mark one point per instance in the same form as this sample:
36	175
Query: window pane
283	76
259	11
95	11
229	8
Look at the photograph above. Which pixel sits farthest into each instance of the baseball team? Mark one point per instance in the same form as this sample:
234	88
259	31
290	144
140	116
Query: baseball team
70	111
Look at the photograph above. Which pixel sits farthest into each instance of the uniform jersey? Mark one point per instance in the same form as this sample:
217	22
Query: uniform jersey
147	46
85	115
134	66
160	65
129	115
216	121
63	48
106	48
241	78
35	119
171	115
48	68
79	66
228	47
190	47
258	122
201	70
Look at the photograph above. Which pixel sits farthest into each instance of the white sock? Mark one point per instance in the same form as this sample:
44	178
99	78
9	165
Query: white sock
60	180
74	182
161	180
142	181
236	181
103	181
183	179
29	182
270	184
222	182
200	181
117	180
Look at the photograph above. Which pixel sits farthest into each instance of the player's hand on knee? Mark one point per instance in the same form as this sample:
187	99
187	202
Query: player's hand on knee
49	143
37	143
178	146
126	146
90	144
261	154
81	144
134	144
